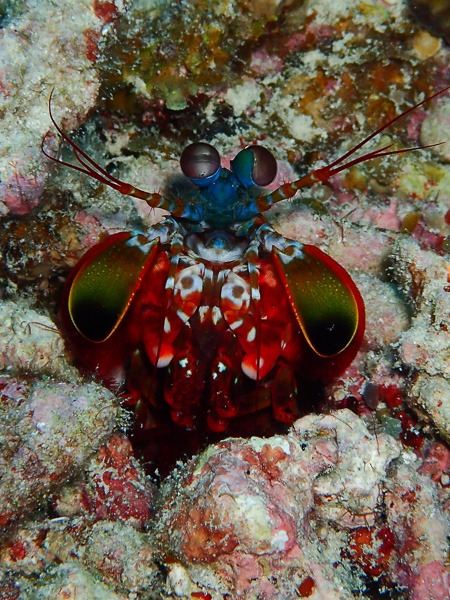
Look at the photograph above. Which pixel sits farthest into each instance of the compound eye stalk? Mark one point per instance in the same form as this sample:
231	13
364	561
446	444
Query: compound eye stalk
200	162
255	165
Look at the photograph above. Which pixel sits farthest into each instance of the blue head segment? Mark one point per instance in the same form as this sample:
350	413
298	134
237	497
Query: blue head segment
254	165
200	162
223	198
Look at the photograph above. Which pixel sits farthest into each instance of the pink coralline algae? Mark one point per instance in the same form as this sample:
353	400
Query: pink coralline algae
420	535
20	194
269	514
47	430
39	53
116	487
94	534
318	513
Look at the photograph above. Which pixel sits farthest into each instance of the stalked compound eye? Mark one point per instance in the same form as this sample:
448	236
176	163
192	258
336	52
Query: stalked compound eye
254	165
200	162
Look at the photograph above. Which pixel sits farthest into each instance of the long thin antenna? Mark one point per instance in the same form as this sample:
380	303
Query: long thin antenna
323	174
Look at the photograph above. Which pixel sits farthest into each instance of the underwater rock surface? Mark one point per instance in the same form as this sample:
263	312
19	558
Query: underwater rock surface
349	504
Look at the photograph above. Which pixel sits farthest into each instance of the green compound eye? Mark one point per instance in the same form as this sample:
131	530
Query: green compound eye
254	165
